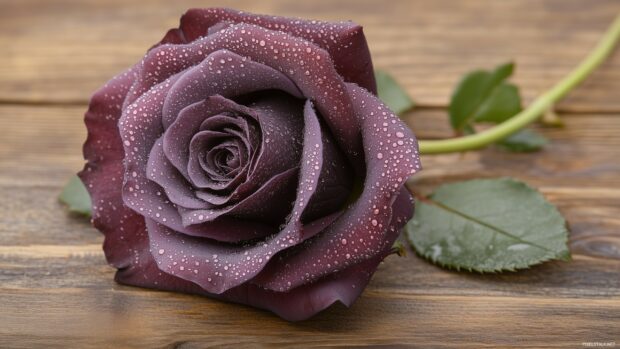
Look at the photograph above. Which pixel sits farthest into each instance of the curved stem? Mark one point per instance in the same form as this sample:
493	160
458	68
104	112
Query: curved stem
536	108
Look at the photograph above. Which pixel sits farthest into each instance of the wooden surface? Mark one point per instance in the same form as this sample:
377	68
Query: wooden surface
57	291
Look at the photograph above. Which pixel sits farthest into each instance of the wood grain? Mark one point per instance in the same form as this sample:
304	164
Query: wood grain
62	50
56	290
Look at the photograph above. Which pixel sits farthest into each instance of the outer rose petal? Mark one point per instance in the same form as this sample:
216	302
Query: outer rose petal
344	41
103	173
361	232
296	305
218	267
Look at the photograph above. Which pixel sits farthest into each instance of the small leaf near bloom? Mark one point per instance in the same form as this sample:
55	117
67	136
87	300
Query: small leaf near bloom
392	94
76	197
485	97
523	141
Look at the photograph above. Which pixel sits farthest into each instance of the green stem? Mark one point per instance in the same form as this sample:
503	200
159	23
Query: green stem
536	108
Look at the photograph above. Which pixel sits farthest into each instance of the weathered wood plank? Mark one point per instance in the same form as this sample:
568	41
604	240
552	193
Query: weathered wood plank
593	272
128	317
62	51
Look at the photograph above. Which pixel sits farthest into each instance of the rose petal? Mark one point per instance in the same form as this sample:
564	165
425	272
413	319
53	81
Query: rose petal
270	203
279	125
305	301
190	121
146	197
229	229
225	160
344	41
214	266
247	144
307	65
246	129
176	187
103	173
299	304
336	177
140	127
363	230
225	73
199	145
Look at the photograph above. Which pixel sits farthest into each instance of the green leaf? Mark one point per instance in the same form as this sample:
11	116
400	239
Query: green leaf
503	103
476	96
392	94
523	141
76	197
488	225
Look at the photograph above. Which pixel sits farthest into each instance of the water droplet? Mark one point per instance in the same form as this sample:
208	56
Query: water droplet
518	247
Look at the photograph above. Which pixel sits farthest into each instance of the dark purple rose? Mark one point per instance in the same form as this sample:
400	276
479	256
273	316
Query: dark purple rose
247	158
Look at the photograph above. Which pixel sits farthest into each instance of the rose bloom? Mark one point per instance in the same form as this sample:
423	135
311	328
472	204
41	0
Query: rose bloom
247	158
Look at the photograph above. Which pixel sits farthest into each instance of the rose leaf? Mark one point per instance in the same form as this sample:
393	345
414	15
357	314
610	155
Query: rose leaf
488	225
75	196
484	96
502	104
523	141
481	95
392	94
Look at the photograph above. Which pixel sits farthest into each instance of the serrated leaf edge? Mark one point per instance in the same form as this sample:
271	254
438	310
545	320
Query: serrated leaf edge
546	258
